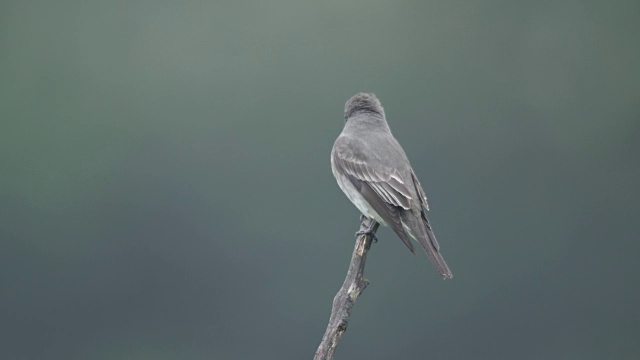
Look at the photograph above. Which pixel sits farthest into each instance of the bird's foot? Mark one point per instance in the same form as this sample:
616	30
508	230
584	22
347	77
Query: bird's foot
368	232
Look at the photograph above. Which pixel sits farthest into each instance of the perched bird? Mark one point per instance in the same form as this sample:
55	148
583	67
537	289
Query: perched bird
374	172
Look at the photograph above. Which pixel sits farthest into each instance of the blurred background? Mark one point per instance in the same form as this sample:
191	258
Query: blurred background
166	192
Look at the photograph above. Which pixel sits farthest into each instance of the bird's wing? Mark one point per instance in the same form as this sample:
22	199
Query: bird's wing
381	185
421	194
353	160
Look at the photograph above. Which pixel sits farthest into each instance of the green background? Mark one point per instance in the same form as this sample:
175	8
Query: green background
166	192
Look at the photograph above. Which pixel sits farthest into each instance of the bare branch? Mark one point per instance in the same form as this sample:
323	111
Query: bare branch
346	297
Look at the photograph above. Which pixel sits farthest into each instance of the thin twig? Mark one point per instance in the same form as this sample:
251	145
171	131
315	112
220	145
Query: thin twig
346	297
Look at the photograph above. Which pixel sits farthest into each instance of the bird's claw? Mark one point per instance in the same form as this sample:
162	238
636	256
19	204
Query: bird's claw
368	232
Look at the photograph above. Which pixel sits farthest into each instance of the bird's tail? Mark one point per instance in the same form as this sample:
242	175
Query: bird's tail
427	239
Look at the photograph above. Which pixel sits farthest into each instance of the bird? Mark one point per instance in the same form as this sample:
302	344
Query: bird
375	174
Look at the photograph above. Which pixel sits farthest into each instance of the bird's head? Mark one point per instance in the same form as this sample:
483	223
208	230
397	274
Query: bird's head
363	103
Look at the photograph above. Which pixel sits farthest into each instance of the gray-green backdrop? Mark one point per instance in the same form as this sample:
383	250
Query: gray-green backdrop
166	193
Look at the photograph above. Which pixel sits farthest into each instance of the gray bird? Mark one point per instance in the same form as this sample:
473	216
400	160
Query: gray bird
374	172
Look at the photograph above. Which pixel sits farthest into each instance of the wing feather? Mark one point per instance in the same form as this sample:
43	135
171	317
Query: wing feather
385	181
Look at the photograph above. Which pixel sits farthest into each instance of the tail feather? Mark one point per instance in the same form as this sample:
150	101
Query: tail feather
432	249
420	230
